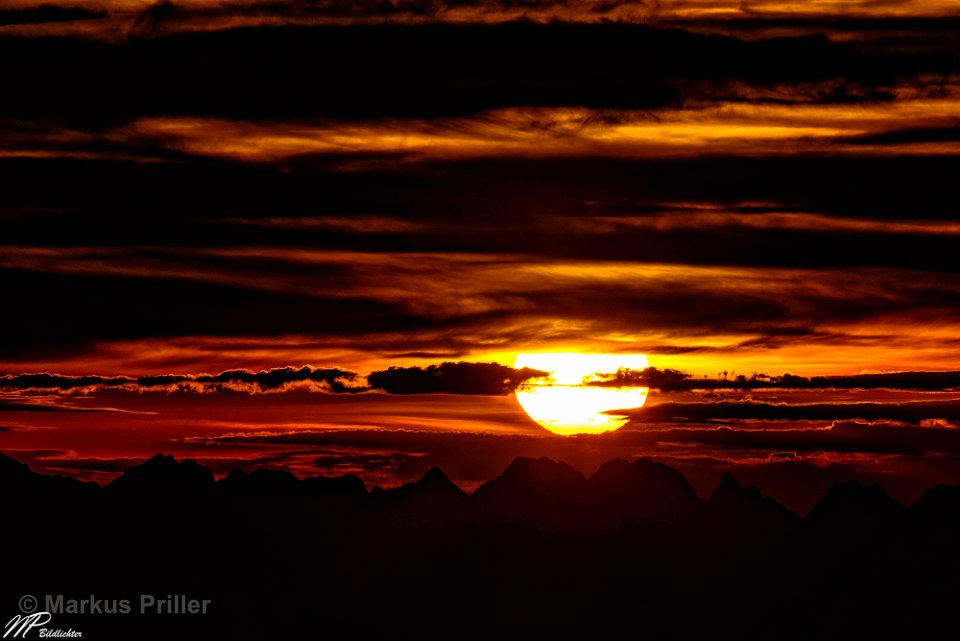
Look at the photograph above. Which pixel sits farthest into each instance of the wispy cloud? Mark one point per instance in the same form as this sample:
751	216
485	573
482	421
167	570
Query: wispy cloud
149	18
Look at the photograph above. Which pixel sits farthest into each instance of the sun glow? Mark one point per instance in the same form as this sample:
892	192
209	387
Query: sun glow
565	404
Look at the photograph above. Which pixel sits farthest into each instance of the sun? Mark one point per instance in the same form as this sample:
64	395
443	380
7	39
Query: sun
565	405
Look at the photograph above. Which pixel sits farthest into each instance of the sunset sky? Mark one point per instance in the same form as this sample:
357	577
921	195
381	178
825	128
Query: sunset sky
222	222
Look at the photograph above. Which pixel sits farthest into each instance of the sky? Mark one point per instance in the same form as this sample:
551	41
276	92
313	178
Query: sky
223	223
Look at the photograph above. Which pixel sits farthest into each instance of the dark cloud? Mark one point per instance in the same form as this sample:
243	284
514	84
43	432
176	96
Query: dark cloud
688	305
177	16
511	199
669	380
335	380
170	75
433	355
910	412
339	380
908	136
448	378
452	378
56	381
150	21
163	307
531	65
652	377
47	13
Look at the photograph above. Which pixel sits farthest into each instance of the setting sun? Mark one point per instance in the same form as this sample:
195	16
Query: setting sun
566	404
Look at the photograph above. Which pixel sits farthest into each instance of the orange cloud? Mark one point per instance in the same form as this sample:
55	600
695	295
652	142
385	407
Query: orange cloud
714	129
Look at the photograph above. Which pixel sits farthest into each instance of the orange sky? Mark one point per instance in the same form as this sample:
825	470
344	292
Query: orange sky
232	193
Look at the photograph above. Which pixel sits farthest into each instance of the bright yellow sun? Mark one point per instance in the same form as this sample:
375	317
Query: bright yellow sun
564	405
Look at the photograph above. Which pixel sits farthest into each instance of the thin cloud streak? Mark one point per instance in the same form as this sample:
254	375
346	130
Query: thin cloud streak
723	128
116	19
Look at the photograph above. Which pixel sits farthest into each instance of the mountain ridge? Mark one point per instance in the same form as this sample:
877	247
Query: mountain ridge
539	550
642	484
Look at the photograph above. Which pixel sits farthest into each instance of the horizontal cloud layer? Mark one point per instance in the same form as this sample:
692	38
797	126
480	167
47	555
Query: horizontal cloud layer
448	378
670	380
115	19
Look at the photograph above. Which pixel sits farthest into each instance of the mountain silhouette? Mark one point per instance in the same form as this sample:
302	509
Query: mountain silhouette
851	505
533	479
260	481
540	493
18	481
644	491
940	505
747	508
433	485
432	503
539	551
163	476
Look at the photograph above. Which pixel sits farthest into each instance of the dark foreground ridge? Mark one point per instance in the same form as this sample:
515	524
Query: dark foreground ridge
539	552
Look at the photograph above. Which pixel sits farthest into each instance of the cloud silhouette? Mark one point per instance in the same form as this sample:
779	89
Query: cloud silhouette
165	75
670	380
333	379
452	378
909	136
909	412
339	380
449	378
663	380
46	13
